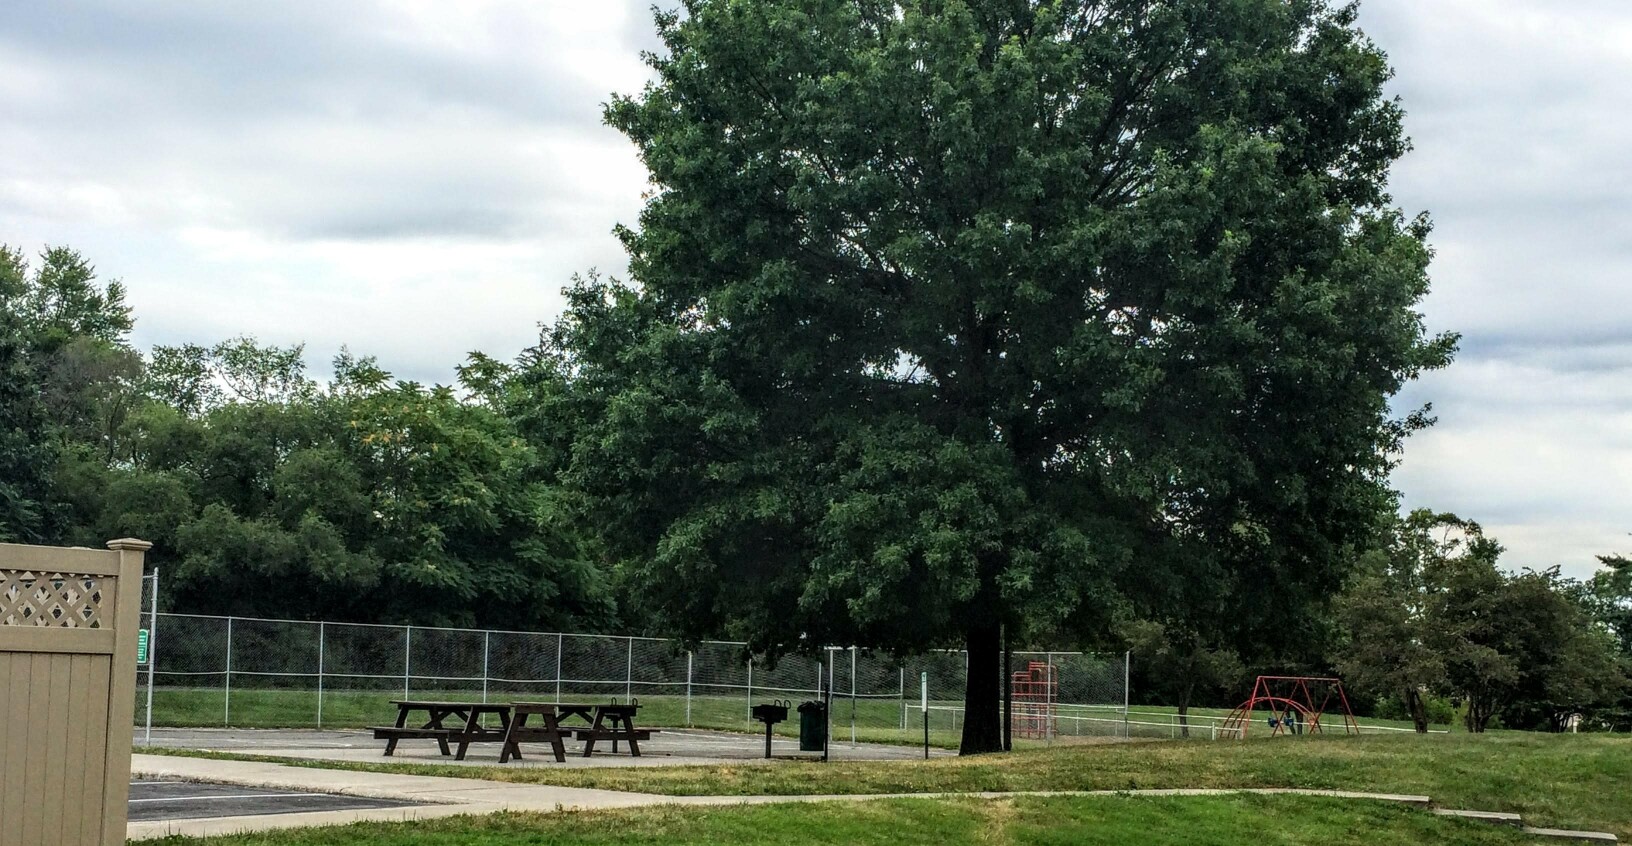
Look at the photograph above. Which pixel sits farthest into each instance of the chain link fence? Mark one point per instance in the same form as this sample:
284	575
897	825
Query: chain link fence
257	673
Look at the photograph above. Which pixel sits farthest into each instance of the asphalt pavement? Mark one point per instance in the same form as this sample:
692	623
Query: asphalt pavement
159	799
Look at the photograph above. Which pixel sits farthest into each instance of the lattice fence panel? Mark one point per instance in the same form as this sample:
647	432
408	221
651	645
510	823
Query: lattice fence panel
59	600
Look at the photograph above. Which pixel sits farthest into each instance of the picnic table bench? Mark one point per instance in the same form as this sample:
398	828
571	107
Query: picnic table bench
468	728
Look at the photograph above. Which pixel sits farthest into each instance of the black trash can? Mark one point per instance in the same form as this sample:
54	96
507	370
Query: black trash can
813	726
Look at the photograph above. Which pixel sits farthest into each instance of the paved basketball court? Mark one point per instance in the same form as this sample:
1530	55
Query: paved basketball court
157	799
161	802
668	748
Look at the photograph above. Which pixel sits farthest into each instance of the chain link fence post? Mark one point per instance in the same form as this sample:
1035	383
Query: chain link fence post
750	687
1050	694
226	712
852	697
152	656
487	649
689	657
903	697
322	642
560	644
1127	670
407	659
629	673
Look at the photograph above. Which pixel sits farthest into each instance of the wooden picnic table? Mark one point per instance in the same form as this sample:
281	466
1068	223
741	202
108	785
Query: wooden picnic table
547	731
468	727
614	721
600	721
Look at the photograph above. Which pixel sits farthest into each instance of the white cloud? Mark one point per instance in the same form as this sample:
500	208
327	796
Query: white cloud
1522	119
415	180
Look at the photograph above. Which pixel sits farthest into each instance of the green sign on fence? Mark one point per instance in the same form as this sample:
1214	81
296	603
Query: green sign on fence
141	646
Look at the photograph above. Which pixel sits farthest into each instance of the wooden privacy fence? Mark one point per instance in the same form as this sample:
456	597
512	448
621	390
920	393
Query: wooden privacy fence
68	631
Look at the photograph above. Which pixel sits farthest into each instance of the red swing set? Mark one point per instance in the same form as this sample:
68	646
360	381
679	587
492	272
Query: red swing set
1296	705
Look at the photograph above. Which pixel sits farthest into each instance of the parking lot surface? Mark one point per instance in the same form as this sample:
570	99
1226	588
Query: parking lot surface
152	800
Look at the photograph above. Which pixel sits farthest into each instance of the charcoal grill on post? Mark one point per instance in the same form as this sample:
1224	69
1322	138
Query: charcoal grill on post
770	714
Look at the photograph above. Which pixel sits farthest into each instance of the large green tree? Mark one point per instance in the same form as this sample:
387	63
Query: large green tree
942	312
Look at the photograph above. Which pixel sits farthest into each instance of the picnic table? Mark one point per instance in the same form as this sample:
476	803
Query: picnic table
613	721
547	731
467	729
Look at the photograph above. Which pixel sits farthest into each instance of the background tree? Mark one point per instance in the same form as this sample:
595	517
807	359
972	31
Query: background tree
1391	647
943	315
67	371
26	452
1608	596
1177	667
266	493
1608	600
1568	668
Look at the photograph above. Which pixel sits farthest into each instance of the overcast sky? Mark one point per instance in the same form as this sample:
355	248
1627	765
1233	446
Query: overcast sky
418	180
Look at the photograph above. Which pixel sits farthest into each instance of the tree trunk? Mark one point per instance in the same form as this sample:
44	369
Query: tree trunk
1479	713
1184	702
982	692
1417	708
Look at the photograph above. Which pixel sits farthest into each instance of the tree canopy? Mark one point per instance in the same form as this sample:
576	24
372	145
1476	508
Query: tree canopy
266	492
943	315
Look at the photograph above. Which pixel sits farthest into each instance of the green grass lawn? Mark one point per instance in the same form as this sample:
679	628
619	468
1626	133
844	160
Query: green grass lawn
1571	781
1192	821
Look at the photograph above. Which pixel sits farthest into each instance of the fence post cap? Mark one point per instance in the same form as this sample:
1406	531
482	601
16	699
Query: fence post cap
130	544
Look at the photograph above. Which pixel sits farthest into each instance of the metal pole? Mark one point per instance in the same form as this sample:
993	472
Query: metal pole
407	658
1127	663
487	643
1008	692
827	739
750	688
903	698
923	704
1048	700
560	643
152	657
688	688
852	697
629	673
226	713
321	643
